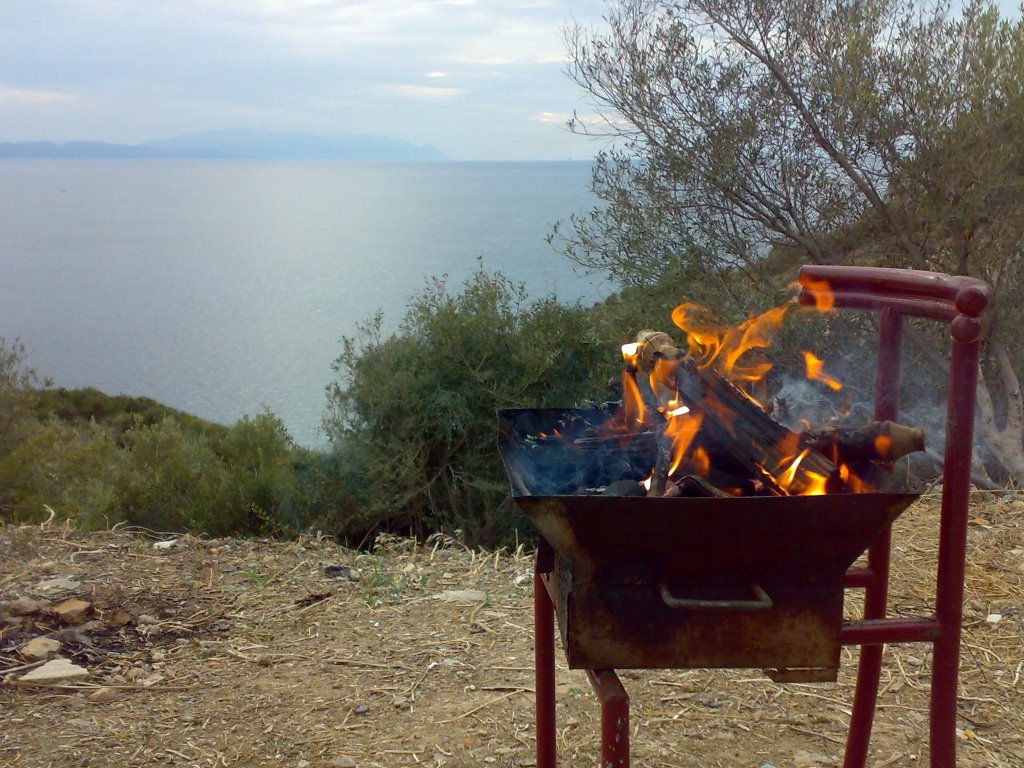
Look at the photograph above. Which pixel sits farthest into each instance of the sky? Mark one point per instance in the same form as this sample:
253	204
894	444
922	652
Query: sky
478	79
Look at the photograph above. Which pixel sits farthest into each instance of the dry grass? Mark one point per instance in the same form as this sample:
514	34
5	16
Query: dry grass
243	653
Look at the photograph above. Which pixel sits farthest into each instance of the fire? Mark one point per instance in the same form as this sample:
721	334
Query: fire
633	402
816	371
682	429
813	483
725	347
883	445
824	299
736	353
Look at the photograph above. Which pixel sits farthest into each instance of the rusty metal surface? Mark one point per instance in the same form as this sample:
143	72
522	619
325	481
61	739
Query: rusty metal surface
614	554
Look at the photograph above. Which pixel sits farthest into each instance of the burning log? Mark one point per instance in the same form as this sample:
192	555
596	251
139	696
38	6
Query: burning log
778	457
877	441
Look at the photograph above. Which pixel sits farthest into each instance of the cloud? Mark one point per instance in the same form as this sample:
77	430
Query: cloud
25	97
423	91
561	118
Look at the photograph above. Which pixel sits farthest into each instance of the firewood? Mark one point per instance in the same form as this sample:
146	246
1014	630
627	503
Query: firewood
735	422
877	441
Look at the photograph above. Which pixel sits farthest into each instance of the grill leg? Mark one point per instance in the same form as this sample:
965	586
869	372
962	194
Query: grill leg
544	671
614	717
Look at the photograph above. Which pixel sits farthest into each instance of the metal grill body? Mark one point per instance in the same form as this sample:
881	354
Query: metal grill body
714	583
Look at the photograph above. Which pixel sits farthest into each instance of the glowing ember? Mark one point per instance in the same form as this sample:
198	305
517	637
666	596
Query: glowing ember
674	410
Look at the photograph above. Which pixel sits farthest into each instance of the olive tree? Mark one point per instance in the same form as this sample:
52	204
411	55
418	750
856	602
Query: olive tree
884	132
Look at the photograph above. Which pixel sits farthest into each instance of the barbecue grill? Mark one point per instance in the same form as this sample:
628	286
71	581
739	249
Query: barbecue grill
736	582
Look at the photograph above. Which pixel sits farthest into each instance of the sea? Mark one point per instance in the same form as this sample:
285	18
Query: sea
223	288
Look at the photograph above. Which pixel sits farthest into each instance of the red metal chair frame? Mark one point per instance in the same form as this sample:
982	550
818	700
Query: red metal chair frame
961	302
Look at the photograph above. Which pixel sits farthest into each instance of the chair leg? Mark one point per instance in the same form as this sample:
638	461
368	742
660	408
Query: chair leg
869	671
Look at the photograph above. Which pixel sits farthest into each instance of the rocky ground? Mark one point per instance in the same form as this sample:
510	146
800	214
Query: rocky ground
302	654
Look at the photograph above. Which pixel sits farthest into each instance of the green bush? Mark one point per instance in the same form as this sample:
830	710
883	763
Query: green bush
174	480
17	395
412	414
73	469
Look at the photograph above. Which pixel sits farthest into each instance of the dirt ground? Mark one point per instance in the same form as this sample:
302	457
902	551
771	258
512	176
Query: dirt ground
247	653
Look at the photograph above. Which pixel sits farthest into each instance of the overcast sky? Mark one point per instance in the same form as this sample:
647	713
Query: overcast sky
478	79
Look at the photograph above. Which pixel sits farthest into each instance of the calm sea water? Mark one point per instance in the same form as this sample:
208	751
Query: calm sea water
224	287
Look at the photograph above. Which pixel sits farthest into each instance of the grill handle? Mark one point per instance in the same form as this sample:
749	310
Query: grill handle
762	601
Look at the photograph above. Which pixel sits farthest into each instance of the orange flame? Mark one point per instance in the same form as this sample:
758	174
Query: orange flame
815	483
682	430
635	412
725	347
701	461
824	299
816	371
852	481
883	446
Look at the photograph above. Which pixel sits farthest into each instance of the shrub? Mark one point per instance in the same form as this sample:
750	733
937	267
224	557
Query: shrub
412	415
74	469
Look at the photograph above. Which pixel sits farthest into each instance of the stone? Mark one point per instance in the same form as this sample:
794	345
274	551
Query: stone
344	762
73	611
60	670
40	648
103	695
805	759
58	584
168	544
23	606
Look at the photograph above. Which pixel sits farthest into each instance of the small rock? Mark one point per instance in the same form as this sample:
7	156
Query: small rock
169	544
362	709
344	762
56	671
708	702
462	596
804	759
148	618
40	648
341	572
103	695
58	584
303	764
994	618
73	611
118	618
23	606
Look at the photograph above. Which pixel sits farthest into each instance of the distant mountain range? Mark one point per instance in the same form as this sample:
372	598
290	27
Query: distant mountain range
233	145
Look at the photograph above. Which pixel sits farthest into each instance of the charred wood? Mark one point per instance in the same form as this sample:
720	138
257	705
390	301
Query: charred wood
733	420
